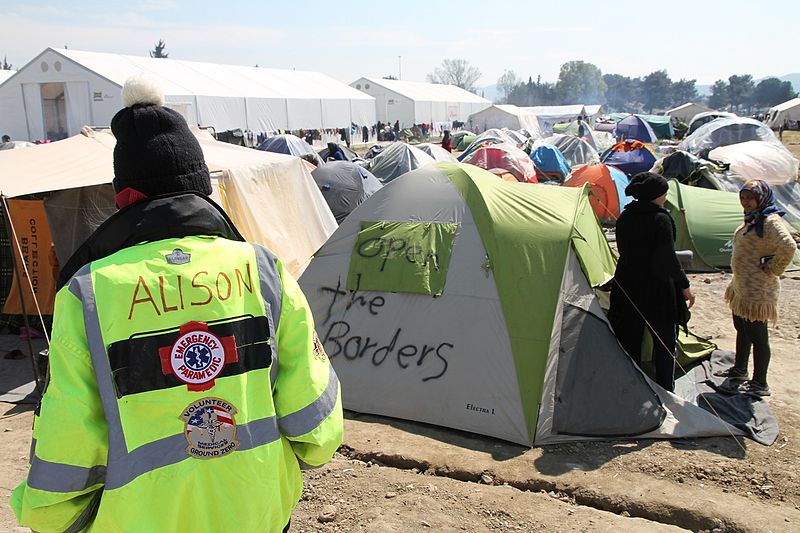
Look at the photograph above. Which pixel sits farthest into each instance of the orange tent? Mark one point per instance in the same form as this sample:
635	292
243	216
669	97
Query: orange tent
608	189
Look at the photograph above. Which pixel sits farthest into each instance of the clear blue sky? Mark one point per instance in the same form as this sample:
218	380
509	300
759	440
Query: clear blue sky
704	40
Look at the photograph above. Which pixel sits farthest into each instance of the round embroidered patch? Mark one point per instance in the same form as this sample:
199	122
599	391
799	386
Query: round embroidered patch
197	357
210	428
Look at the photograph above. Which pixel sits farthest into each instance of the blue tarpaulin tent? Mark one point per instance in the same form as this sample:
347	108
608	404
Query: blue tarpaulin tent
631	157
550	162
635	128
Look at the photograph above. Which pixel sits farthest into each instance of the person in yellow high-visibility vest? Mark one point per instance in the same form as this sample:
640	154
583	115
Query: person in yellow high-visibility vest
187	387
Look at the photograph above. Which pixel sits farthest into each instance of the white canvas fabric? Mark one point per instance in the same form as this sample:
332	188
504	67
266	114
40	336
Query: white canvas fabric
505	116
271	198
789	110
687	111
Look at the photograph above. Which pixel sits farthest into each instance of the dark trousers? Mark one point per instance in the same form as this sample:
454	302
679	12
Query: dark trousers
752	335
630	332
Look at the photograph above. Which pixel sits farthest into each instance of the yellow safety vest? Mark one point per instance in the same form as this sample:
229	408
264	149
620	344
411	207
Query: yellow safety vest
187	389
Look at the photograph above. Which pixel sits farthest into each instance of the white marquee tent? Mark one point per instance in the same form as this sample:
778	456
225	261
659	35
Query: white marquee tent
60	91
687	111
505	116
413	102
789	110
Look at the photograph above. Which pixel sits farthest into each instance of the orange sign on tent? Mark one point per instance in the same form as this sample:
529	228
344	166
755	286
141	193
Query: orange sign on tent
37	265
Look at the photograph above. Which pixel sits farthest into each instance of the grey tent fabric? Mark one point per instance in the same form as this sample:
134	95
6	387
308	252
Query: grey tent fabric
77	213
585	365
286	144
747	413
396	159
436	152
344	186
348	153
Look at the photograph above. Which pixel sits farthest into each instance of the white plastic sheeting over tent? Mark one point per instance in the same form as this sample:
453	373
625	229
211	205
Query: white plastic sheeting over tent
413	102
505	116
86	91
271	198
758	160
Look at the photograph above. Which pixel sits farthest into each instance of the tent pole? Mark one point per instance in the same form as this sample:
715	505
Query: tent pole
13	236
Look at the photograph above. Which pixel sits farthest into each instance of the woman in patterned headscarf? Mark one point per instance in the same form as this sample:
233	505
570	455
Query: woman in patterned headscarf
762	249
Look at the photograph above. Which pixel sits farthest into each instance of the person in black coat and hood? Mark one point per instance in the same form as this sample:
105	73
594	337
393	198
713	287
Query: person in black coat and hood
650	288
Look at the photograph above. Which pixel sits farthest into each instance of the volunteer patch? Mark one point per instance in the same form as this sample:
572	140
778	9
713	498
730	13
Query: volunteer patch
198	356
210	428
178	257
319	350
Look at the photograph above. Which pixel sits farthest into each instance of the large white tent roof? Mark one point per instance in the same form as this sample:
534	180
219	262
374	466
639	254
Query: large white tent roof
429	92
557	110
210	79
794	102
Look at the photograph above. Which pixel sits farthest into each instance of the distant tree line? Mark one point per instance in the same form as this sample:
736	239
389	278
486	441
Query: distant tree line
582	82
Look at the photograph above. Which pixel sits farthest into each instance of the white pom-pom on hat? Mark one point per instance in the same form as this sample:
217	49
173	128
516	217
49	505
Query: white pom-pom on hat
141	89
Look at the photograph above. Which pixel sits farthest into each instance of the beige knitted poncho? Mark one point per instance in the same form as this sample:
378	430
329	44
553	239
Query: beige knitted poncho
752	293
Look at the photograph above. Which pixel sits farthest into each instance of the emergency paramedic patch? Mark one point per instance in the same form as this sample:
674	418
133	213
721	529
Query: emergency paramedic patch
319	350
210	428
178	257
198	356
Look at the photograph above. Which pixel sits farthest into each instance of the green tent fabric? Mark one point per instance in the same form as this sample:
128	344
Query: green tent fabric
464	143
514	344
661	124
705	220
534	237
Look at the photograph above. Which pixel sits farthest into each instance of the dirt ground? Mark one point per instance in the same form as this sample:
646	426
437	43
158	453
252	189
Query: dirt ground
356	493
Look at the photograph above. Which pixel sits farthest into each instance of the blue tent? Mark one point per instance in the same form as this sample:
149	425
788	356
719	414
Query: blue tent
631	157
621	181
634	128
287	144
550	162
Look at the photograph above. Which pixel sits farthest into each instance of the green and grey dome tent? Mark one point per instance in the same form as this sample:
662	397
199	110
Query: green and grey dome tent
454	298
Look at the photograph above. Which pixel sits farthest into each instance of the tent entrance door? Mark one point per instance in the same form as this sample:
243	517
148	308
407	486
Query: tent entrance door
54	109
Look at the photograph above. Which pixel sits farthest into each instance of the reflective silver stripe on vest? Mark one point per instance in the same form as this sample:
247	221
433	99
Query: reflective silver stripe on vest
270	287
81	286
309	417
59	477
124	467
171	450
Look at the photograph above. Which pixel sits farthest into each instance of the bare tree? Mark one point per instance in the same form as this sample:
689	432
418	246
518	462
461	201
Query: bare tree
456	72
506	84
159	50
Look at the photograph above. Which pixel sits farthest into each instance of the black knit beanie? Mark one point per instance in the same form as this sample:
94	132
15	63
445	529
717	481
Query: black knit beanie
156	153
647	186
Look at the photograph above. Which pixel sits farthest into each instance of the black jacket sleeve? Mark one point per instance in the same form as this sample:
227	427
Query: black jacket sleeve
664	261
